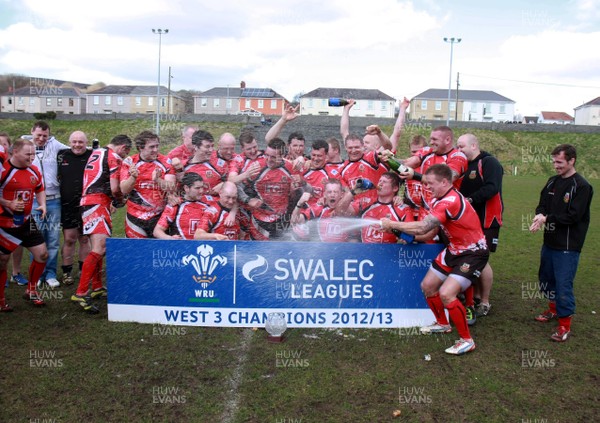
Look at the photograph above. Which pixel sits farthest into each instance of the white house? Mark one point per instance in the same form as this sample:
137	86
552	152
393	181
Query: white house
588	113
370	103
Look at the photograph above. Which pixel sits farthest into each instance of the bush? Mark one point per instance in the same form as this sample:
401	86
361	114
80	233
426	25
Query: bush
45	116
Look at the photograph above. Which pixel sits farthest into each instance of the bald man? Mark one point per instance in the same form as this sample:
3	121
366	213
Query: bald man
481	185
71	165
212	225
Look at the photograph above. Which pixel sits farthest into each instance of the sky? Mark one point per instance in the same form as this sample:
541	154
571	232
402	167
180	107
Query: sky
544	55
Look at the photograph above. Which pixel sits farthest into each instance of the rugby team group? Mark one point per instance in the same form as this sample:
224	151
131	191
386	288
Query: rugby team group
443	192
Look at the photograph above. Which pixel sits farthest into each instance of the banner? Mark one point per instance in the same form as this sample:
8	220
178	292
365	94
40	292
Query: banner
237	283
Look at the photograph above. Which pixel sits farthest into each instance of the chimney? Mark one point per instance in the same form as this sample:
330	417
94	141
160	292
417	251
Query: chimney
242	84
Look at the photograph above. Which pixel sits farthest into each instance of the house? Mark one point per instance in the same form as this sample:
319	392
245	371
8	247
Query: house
530	119
242	100
42	98
588	113
472	105
133	99
369	102
556	118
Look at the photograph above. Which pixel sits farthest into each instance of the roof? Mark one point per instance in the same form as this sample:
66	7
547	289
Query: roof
236	92
138	90
556	116
355	93
45	91
465	95
594	102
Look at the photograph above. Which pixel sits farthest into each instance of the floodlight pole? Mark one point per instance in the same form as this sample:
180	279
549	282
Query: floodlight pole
160	32
451	41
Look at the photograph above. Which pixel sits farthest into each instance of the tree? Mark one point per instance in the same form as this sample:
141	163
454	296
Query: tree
10	80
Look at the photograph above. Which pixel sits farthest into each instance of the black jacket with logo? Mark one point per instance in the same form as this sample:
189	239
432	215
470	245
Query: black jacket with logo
566	204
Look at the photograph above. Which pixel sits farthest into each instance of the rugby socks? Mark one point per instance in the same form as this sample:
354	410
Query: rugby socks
552	306
469	300
97	278
67	269
562	321
35	272
3	277
459	318
87	272
437	307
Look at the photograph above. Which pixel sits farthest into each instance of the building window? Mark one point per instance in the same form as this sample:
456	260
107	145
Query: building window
216	103
203	102
59	101
423	104
138	101
261	104
370	105
20	101
323	103
310	103
49	101
473	107
96	100
487	109
452	106
502	108
438	105
228	104
107	100
248	102
71	102
163	102
31	101
273	104
150	101
383	106
120	100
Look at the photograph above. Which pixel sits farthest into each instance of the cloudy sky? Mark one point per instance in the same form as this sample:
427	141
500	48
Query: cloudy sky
544	55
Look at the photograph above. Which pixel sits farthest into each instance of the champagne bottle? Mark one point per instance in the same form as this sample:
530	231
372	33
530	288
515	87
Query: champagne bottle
362	185
396	166
18	215
337	102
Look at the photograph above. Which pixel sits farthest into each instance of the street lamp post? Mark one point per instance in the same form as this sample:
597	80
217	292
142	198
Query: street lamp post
451	41
160	32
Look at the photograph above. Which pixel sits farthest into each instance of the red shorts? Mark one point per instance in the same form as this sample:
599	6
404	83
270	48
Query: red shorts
96	220
27	235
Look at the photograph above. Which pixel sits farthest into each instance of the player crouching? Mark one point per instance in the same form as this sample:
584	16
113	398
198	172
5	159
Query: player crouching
459	264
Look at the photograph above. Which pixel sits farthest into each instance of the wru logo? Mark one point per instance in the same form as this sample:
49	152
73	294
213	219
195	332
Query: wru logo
204	264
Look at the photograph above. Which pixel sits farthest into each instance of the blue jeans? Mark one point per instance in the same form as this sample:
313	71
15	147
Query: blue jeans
557	271
50	228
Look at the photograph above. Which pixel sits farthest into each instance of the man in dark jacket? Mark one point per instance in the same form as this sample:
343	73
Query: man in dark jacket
481	185
564	213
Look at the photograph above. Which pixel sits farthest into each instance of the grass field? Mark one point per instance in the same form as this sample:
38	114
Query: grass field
62	365
65	366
